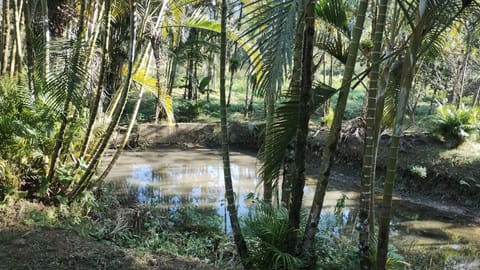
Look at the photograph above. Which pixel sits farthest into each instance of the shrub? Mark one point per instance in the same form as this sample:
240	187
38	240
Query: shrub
454	126
266	229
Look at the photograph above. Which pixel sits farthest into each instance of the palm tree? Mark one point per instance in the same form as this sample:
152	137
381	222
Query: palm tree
330	148
431	19
229	194
84	181
366	196
73	78
103	66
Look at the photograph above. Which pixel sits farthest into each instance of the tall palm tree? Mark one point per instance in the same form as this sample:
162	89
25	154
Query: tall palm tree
330	148
73	79
84	181
366	198
429	21
229	193
104	61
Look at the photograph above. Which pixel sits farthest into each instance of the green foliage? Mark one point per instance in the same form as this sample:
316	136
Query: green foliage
454	126
266	230
328	118
419	171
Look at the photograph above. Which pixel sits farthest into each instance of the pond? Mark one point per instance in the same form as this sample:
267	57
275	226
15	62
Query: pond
176	177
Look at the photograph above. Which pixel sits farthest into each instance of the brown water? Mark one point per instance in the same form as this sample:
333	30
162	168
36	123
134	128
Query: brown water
175	177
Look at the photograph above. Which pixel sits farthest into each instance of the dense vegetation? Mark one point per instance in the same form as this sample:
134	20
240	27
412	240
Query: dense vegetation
73	71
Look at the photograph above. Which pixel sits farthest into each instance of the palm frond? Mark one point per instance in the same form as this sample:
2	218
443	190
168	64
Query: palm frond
284	127
270	27
64	76
333	12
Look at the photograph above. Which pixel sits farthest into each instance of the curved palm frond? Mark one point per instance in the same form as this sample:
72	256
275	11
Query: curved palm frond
270	27
333	12
284	127
65	77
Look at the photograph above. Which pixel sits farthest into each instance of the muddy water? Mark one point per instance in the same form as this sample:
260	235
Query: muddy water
175	176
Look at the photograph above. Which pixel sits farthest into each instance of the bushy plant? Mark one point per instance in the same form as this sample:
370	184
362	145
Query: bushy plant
453	125
266	229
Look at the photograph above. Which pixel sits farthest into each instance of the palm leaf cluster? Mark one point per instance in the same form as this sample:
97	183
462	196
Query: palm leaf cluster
266	227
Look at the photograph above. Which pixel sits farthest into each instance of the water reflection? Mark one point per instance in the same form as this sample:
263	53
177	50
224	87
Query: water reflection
174	178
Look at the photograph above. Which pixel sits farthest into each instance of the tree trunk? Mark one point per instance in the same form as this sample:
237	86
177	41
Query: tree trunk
103	66
330	148
155	44
46	37
408	68
124	140
29	40
83	183
368	181
229	193
298	181
67	102
18	7
6	35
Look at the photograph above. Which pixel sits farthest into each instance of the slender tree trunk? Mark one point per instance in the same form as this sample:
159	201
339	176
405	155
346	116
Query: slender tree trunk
229	193
104	62
124	140
46	37
83	183
68	99
155	44
29	40
408	68
330	148
288	163
269	111
247	89
235	48
368	181
13	57
173	73
6	35
476	97
298	181
18	7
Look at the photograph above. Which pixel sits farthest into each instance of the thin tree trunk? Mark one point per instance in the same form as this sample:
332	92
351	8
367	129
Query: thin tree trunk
18	7
173	73
83	183
68	99
6	35
298	181
229	193
235	48
408	68
124	140
13	57
103	65
368	181
476	98
330	148
46	37
247	89
29	40
155	44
